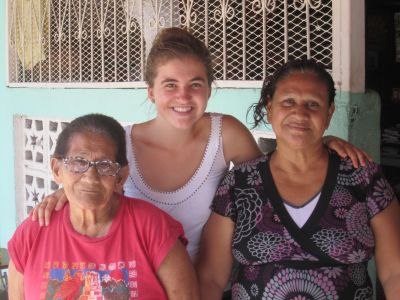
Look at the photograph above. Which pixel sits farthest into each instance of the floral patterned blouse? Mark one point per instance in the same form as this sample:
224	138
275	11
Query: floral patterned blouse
326	258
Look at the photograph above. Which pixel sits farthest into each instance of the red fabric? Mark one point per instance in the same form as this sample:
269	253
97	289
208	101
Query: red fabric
58	261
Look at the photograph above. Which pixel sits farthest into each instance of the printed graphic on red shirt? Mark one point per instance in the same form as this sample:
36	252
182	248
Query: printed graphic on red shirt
81	280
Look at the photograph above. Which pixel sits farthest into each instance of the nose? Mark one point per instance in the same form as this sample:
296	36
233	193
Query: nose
184	93
301	111
91	174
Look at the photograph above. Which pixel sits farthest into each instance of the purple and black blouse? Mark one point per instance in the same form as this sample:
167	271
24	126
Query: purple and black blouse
327	257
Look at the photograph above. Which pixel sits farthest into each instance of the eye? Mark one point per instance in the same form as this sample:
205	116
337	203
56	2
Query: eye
197	85
288	102
313	104
107	167
77	164
170	85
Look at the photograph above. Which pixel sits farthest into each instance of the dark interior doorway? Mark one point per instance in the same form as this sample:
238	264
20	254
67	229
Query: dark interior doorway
382	56
383	75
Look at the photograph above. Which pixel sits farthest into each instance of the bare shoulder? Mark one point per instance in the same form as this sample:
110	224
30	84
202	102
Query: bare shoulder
232	127
239	144
140	130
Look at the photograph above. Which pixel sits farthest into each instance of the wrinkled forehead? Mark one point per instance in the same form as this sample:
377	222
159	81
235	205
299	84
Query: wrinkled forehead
91	140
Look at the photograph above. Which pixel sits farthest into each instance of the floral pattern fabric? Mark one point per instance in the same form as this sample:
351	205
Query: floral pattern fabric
326	258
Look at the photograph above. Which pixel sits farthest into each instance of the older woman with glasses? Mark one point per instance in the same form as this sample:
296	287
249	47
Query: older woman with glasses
100	244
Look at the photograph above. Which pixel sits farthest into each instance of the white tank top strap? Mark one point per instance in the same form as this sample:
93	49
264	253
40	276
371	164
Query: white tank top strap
213	154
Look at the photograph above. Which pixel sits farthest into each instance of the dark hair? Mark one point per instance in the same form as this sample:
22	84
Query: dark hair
94	123
172	43
290	67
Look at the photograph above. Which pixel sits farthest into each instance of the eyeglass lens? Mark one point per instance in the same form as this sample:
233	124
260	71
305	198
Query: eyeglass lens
81	165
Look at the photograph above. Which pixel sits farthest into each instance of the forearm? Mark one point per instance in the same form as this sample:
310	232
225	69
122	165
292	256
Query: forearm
210	290
392	287
214	266
178	276
189	293
15	283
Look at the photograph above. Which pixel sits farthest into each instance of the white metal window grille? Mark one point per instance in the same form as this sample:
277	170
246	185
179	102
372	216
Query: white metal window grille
103	43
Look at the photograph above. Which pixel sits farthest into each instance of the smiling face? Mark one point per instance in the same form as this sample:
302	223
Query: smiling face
299	110
89	190
180	91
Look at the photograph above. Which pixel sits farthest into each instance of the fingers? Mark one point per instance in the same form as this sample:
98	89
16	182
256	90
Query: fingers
61	201
43	211
46	209
358	157
363	157
340	150
38	211
354	157
343	148
35	212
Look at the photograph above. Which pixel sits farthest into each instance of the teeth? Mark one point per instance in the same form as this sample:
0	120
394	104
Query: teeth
182	109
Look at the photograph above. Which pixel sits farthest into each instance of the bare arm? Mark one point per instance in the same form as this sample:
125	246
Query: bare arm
344	148
386	228
239	144
177	274
215	263
15	283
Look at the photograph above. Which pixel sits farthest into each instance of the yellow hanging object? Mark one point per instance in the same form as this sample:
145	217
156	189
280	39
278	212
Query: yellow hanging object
31	30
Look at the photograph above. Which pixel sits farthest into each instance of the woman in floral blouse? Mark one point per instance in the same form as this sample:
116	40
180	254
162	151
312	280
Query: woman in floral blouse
300	222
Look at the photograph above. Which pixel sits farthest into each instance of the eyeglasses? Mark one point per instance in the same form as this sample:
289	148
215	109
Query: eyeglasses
81	165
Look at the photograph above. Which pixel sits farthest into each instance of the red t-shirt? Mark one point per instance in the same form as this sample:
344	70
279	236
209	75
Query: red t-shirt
57	262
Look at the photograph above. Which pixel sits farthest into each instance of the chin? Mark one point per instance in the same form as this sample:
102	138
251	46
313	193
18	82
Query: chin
92	202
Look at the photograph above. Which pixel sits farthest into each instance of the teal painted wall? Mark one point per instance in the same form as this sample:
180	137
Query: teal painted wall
357	119
130	105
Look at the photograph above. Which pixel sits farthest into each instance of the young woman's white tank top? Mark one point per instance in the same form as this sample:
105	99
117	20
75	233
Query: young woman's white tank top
190	204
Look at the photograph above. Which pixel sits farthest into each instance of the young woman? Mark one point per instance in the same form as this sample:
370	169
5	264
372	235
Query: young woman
178	158
300	222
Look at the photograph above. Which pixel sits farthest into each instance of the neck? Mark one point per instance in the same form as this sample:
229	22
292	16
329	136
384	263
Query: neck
171	137
299	160
94	222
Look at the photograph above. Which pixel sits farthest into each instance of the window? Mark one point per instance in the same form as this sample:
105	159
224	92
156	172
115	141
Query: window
103	43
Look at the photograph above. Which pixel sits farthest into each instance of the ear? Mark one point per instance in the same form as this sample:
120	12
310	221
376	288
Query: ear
330	113
121	178
150	94
56	170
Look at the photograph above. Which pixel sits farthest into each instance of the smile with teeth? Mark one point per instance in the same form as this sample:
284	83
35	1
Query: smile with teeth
182	109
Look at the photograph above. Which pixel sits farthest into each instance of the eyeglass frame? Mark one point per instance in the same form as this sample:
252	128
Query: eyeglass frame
91	163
